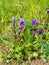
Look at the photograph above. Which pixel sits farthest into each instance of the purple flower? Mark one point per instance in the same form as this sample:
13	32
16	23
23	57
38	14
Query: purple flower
13	24
21	22
17	32
34	22
13	18
14	27
33	32
48	11
21	27
40	31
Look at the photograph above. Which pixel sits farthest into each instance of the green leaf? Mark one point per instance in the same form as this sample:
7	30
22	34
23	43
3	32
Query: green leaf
44	44
35	54
43	57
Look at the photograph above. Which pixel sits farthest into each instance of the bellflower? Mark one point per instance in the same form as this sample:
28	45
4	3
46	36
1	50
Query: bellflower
40	31
34	22
13	18
33	32
21	27
17	32
21	22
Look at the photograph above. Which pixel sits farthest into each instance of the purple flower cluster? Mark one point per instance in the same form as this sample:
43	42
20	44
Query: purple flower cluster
34	22
13	24
21	24
13	18
40	31
21	27
33	32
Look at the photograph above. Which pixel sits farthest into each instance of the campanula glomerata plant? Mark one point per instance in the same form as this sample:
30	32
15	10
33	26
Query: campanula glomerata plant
24	30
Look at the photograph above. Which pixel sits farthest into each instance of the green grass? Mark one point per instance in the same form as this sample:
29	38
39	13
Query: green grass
28	9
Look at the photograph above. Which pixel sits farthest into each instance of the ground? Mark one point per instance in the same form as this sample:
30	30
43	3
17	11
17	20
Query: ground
33	62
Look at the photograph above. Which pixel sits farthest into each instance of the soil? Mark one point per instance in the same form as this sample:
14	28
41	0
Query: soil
33	62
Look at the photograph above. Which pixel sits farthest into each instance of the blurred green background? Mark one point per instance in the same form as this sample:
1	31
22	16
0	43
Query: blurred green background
27	9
